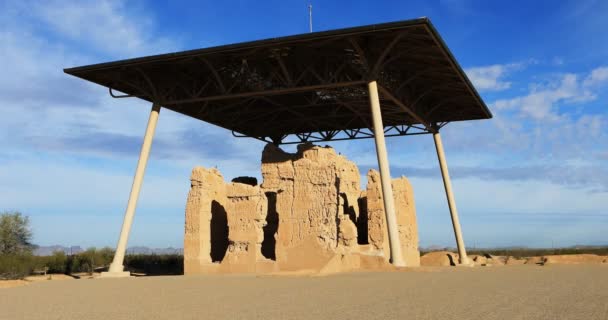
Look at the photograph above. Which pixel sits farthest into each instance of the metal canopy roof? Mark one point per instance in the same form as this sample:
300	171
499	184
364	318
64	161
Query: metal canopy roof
308	87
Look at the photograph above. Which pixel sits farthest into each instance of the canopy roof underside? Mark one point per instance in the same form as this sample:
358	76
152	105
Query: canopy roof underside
306	85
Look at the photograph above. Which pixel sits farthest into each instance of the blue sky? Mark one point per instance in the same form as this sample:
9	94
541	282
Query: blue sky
534	175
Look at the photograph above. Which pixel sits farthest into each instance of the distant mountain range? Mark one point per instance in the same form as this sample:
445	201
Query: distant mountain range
48	250
147	250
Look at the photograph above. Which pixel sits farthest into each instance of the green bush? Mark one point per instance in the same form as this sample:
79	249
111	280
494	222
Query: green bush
88	260
15	266
105	256
16	261
15	234
57	262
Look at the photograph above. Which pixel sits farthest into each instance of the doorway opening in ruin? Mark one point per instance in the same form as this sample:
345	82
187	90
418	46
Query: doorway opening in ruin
219	232
270	229
362	222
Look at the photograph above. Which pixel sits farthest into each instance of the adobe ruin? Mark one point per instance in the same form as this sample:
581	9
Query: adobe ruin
308	214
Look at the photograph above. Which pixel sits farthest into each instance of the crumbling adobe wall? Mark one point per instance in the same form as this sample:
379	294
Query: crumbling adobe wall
406	217
206	199
308	214
405	209
316	201
223	224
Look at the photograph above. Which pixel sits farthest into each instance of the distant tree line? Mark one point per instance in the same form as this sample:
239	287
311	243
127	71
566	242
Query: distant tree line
538	252
529	252
17	260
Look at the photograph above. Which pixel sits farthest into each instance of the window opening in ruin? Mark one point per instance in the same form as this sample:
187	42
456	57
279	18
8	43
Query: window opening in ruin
219	232
271	227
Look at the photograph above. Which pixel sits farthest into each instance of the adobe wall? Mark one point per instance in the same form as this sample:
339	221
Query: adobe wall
308	214
316	197
206	198
406	217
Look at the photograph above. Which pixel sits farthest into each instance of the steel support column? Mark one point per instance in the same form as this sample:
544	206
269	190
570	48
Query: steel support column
116	267
462	253
385	176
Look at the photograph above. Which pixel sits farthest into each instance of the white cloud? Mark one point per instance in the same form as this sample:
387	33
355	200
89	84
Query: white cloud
103	25
43	108
596	77
491	78
541	102
488	78
553	125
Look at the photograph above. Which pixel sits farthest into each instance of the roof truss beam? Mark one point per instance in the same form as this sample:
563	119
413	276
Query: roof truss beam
264	93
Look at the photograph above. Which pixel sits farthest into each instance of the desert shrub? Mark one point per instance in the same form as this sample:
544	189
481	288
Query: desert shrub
88	260
14	266
16	260
57	262
15	234
105	256
78	263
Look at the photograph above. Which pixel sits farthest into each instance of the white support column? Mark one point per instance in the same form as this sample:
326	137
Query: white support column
462	253
116	268
385	176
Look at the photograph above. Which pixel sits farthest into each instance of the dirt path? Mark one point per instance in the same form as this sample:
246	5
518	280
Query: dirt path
510	292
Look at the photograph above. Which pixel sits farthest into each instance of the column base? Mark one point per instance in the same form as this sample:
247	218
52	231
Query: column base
399	264
115	274
466	264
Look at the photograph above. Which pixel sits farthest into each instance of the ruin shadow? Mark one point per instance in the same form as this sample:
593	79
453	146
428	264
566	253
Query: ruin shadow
362	222
270	229
348	209
451	259
279	155
219	232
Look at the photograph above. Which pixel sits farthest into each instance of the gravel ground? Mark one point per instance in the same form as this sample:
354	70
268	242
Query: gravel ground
510	292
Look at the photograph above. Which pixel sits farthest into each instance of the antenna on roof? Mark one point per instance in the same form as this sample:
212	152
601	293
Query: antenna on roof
310	16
